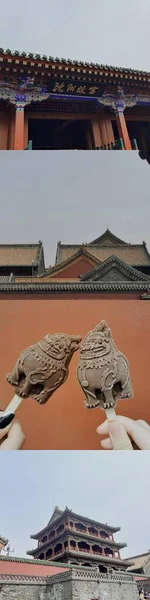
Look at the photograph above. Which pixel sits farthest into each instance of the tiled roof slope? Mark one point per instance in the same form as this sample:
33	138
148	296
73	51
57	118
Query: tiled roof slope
139	561
19	254
131	254
94	67
103	247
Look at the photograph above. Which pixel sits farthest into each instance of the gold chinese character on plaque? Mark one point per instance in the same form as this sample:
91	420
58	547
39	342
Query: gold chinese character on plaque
71	88
92	90
58	87
81	89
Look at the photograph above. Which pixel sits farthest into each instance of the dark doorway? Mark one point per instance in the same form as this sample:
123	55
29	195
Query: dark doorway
51	134
139	131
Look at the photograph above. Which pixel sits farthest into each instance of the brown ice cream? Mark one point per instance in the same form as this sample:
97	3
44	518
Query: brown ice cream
42	368
103	371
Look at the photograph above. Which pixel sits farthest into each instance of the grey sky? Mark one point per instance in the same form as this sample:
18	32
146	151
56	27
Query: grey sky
115	33
72	197
109	487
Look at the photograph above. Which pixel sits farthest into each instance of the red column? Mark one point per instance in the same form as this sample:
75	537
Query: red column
97	142
103	131
122	129
109	129
19	133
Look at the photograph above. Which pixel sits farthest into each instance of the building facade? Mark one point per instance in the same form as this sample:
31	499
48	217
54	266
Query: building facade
141	567
105	279
74	584
73	539
48	103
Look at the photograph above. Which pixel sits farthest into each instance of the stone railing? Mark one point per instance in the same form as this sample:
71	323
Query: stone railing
77	574
91	574
22	579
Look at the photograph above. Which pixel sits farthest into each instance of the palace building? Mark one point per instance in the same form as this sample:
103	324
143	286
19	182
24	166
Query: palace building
70	538
106	278
57	104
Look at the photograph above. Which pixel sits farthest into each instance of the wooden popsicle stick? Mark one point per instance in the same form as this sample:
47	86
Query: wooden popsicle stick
110	414
12	406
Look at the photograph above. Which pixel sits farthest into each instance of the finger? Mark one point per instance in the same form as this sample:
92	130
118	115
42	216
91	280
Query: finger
5	423
103	428
15	438
144	424
140	434
138	431
107	444
119	436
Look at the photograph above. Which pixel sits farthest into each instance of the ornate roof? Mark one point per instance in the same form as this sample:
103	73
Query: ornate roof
105	246
139	561
82	251
114	269
56	514
66	512
85	67
108	239
20	254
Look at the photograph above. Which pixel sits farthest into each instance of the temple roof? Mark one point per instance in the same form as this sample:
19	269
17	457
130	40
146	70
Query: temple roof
138	561
114	269
107	238
68	512
86	67
56	514
20	254
105	246
82	251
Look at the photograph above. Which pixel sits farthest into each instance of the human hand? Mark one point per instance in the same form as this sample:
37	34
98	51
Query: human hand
12	436
124	433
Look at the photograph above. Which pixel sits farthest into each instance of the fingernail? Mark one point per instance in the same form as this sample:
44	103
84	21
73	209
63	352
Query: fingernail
114	428
6	420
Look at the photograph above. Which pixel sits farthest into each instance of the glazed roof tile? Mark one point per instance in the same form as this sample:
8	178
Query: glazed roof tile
82	251
132	254
76	287
113	261
65	513
139	561
7	278
74	63
19	254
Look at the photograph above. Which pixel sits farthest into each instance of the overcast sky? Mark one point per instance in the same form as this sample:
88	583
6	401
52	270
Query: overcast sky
114	33
73	197
110	487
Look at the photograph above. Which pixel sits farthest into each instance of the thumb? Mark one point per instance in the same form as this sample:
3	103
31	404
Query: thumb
118	436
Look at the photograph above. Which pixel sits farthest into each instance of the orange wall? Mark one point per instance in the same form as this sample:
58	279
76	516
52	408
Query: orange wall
3	130
27	568
64	423
75	269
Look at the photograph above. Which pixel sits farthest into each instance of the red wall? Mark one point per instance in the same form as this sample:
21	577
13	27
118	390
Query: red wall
27	568
75	269
64	423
